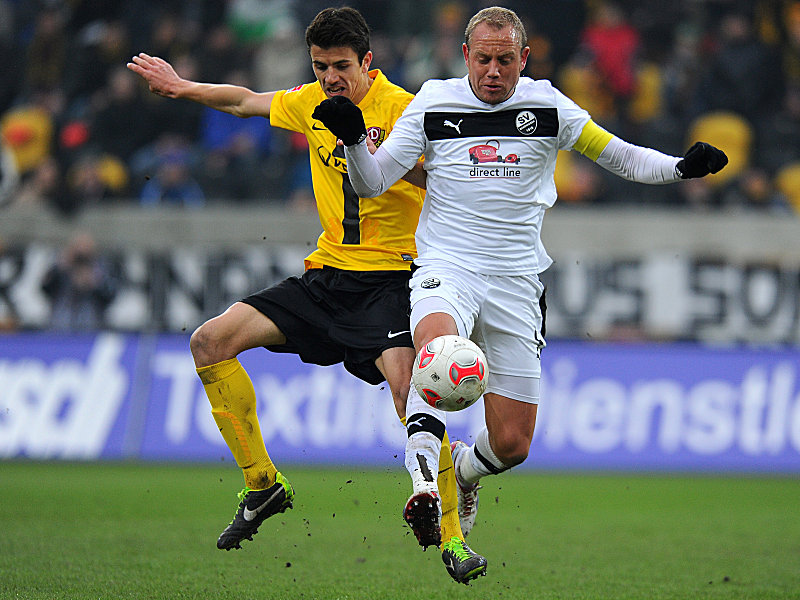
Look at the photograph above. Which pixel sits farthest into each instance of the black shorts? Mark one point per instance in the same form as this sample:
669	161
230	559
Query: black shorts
333	316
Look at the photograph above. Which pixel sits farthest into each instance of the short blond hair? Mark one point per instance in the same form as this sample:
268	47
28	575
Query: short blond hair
498	18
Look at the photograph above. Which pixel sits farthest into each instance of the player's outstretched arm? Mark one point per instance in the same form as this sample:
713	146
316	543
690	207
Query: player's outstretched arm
233	99
645	165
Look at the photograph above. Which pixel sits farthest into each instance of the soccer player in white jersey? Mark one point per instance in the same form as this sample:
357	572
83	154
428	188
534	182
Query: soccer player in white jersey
490	142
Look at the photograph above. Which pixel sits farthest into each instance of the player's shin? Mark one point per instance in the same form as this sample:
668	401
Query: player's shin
426	429
446	482
233	406
423	510
451	525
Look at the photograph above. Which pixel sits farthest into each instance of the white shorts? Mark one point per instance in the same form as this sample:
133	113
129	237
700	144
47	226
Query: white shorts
500	313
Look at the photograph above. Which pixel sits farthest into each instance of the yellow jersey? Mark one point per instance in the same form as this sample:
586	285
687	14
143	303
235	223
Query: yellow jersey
358	234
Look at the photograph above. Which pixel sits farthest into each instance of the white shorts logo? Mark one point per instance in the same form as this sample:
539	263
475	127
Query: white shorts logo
526	122
430	283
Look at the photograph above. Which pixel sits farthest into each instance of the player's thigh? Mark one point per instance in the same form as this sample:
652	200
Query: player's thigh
241	327
440	288
395	364
508	328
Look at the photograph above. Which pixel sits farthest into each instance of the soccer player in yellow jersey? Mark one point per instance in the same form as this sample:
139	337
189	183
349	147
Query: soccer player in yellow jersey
351	305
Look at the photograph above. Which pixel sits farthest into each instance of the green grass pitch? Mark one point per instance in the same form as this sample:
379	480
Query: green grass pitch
149	531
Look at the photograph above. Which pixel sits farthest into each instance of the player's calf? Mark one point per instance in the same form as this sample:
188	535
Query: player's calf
467	493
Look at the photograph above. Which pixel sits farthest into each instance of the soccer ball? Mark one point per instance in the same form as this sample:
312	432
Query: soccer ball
450	373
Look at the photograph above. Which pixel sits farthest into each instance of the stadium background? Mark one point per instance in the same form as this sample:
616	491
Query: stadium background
673	324
128	219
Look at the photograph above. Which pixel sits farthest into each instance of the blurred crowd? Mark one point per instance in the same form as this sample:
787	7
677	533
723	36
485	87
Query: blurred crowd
78	129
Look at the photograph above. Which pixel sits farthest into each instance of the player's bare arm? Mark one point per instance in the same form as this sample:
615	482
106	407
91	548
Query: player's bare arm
165	81
417	176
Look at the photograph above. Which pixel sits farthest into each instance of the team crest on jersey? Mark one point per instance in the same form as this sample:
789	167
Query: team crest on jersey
376	134
526	122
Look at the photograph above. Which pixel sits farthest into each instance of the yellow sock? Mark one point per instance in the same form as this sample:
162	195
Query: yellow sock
233	405
451	526
446	482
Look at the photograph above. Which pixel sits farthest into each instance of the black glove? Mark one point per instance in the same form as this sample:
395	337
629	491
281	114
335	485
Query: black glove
343	119
700	160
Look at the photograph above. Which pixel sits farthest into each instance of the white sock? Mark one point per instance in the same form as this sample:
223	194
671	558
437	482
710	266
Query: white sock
426	427
478	461
422	461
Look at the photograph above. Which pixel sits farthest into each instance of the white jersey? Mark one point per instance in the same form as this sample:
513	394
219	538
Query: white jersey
490	171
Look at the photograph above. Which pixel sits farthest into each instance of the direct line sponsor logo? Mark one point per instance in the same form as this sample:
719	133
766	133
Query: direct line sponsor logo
489	153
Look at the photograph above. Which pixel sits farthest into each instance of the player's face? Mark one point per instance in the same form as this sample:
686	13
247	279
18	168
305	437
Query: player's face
494	62
340	73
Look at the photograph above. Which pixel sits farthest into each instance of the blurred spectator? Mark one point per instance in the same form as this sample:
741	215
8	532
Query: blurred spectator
173	183
180	118
80	287
744	76
791	45
729	131
47	52
13	64
645	69
682	72
271	29
167	39
582	82
559	22
96	179
388	55
437	54
540	59
100	47
779	133
28	129
787	180
236	151
293	68
696	194
578	181
300	190
44	188
613	44
121	122
754	190
219	55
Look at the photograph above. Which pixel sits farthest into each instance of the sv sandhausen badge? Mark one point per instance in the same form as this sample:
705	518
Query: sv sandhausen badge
526	122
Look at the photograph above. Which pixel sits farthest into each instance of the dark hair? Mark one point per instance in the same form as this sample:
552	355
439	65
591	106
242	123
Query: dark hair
339	28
